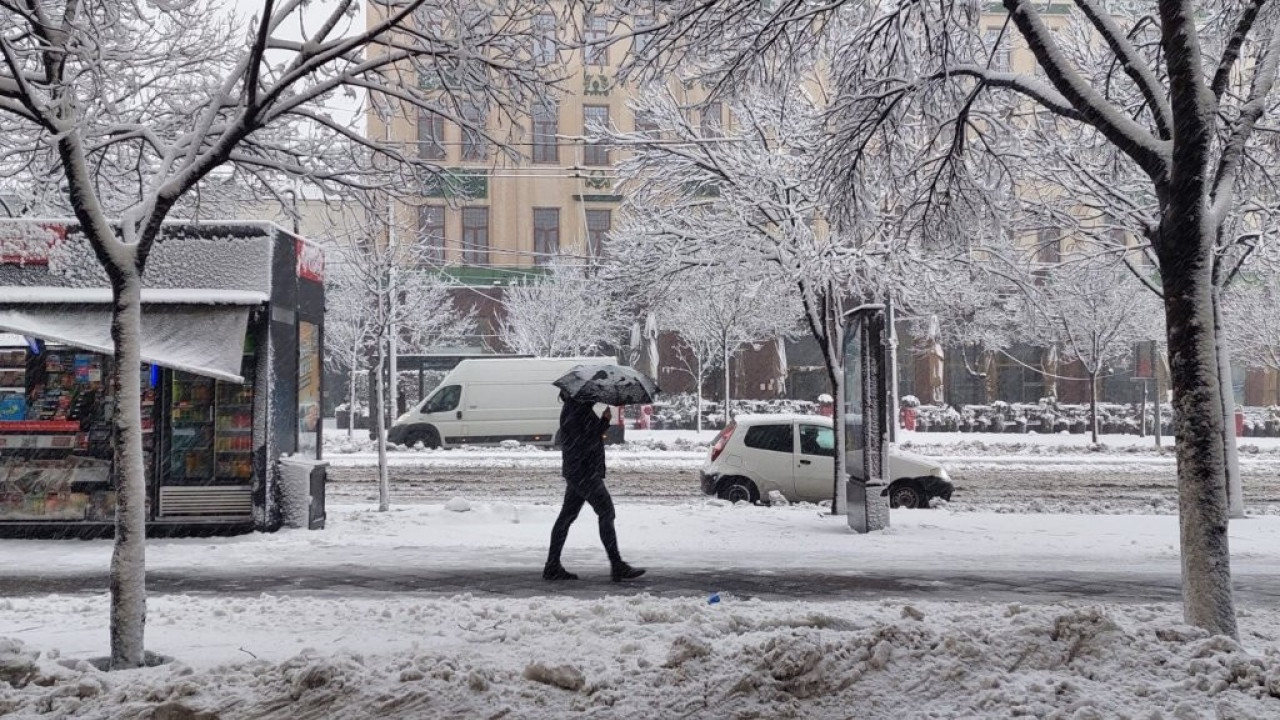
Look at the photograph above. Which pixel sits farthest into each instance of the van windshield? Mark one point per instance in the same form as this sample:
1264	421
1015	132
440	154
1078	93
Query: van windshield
444	399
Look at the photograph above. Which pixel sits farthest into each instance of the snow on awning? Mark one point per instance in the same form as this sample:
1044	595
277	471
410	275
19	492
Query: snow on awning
203	339
168	296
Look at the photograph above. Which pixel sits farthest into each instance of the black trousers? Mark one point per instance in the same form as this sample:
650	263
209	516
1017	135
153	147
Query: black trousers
575	496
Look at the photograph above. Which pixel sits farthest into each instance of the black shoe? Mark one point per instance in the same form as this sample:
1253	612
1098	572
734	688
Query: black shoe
624	571
557	572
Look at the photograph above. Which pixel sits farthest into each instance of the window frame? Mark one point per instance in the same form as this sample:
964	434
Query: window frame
542	249
474	145
546	145
595	154
545	36
474	253
430	405
431	147
595	244
435	243
595	28
765	427
824	452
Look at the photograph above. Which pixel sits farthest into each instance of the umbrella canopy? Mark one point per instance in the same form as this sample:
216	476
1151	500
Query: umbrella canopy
608	384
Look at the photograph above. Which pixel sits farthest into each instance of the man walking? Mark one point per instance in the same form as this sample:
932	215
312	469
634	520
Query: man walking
582	464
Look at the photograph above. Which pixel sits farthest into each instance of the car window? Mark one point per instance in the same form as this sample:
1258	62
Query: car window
774	438
444	399
817	440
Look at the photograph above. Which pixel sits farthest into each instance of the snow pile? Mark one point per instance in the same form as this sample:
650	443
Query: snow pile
660	657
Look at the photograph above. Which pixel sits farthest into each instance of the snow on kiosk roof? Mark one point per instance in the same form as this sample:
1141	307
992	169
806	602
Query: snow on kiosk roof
232	327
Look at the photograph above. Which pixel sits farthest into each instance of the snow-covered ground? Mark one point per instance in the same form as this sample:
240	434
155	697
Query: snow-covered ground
410	655
701	534
633	657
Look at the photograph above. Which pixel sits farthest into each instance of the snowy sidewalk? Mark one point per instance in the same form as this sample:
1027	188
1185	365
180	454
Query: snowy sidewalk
794	552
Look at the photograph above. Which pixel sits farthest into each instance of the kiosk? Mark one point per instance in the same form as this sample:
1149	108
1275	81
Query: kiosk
232	346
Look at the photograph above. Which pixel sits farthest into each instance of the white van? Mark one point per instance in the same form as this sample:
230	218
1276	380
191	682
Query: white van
488	401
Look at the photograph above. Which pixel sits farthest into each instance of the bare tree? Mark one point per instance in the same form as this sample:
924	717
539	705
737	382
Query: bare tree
1186	87
743	197
1094	311
419	308
715	313
1252	315
132	109
571	311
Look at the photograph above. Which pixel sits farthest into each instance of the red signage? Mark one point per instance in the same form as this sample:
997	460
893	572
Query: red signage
28	243
310	261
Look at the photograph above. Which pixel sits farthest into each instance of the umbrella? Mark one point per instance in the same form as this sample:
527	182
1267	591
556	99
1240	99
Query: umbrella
608	384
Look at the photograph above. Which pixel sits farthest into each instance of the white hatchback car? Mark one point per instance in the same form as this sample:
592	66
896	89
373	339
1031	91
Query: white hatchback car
794	455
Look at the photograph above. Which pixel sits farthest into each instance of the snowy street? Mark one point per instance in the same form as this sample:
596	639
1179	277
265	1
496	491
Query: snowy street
995	473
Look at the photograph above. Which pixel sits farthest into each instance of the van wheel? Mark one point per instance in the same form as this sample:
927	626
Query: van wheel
738	489
425	434
908	495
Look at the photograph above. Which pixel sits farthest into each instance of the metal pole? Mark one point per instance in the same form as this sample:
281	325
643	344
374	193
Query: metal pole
392	300
1159	395
1142	414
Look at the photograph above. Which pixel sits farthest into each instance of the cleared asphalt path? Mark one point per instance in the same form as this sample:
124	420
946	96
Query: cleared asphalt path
798	584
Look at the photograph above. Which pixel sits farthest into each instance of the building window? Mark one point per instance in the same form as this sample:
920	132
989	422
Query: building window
430	135
546	126
646	125
593	117
475	235
546	234
711	125
473	142
544	39
1049	245
431	233
599	223
999	54
597	51
640	43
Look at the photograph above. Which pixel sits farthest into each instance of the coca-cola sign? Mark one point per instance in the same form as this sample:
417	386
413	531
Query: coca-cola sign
310	261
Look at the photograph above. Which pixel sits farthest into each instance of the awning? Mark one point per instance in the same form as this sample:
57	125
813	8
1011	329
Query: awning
206	340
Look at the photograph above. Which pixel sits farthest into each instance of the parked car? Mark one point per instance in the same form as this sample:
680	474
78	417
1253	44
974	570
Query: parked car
483	402
794	455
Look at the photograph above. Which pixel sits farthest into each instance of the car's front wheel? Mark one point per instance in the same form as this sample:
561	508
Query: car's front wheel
738	489
425	434
908	495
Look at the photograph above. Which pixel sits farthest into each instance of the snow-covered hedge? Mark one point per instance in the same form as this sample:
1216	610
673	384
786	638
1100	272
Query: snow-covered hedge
679	411
676	412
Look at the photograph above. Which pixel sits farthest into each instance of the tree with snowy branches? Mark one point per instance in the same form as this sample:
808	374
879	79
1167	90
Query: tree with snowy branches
1093	311
1178	88
715	312
569	311
419	308
130	110
742	196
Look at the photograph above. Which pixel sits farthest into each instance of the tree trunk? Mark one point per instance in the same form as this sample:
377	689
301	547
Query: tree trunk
728	404
384	480
128	559
1198	416
351	399
1093	406
838	480
1235	493
698	404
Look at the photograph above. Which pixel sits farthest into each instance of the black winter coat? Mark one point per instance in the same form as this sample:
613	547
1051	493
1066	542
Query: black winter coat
582	443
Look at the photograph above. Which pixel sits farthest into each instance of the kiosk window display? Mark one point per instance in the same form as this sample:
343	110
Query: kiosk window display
219	406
